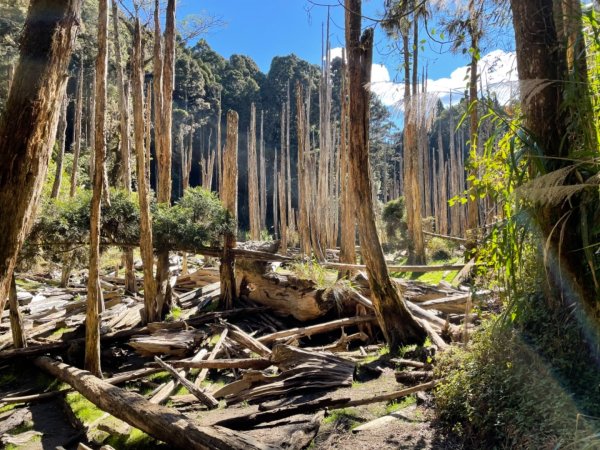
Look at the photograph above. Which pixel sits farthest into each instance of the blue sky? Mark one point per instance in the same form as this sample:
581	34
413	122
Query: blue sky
263	29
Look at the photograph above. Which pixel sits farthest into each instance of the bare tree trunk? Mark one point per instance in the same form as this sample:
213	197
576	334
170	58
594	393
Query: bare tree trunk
348	220
130	284
263	174
163	106
219	146
77	132
395	320
229	195
473	204
275	198
303	193
29	122
16	318
143	180
288	160
282	179
62	135
412	186
253	203
92	124
94	291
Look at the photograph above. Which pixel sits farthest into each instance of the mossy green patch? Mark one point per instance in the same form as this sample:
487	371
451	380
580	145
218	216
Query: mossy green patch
346	418
137	440
83	409
405	402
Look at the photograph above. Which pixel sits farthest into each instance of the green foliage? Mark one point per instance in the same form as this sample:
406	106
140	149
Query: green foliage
136	440
439	249
312	270
83	409
394	218
196	220
404	403
343	418
501	393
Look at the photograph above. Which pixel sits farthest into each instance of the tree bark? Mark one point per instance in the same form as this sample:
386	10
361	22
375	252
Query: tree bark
143	181
62	135
29	122
163	108
397	323
348	220
263	175
94	291
412	186
162	423
77	132
473	204
253	202
16	318
229	194
130	284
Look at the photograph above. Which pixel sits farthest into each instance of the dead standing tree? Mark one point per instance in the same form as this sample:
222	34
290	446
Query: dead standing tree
395	320
142	163
130	284
229	194
163	106
95	302
29	122
253	194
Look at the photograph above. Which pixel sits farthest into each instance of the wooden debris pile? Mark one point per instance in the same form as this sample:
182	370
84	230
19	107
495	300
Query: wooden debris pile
260	353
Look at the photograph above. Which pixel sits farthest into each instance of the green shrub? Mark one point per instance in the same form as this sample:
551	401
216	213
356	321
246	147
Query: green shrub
439	249
501	393
394	219
197	220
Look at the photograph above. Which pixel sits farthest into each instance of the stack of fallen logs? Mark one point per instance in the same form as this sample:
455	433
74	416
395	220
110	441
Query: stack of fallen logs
249	355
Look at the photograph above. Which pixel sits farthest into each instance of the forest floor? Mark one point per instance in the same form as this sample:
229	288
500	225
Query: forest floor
55	315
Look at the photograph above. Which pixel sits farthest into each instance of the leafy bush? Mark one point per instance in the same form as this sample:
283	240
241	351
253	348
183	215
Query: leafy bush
197	220
394	218
439	249
502	393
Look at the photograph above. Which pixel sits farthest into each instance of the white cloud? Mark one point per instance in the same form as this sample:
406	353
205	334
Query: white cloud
497	69
498	75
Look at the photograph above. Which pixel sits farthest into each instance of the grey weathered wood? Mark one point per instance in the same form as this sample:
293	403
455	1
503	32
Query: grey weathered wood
204	397
162	423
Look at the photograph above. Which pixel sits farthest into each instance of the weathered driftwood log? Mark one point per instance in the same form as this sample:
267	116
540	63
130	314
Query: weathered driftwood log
162	423
246	422
165	342
316	329
413	376
205	397
36	350
241	337
300	371
243	363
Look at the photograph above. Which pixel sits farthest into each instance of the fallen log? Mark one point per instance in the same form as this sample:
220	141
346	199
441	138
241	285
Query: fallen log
456	239
245	363
213	355
316	329
162	423
118	379
450	305
248	421
300	371
400	268
411	363
244	339
204	397
413	376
